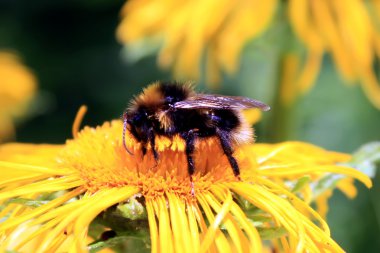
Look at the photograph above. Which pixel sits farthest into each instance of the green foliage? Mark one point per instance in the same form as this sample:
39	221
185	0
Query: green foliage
28	202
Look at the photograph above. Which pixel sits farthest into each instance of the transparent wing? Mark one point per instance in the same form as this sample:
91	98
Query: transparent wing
211	101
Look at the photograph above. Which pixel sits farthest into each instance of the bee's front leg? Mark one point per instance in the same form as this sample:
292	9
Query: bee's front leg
152	141
143	147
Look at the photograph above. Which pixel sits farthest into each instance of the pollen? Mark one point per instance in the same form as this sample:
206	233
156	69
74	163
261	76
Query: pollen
102	162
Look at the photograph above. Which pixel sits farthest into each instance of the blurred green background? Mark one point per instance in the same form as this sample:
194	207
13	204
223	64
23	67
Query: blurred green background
71	48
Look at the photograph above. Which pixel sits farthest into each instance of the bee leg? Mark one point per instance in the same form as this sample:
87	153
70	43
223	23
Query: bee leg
143	147
189	138
228	151
152	141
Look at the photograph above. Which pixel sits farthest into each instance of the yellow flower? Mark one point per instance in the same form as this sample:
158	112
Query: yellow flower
252	116
188	32
189	29
93	172
17	87
348	30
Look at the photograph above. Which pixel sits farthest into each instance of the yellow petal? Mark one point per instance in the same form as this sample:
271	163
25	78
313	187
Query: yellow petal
309	73
179	223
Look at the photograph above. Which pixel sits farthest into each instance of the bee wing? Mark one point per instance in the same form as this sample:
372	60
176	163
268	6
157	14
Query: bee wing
200	101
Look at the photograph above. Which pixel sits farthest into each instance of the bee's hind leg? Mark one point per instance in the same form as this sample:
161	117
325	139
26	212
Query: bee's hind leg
225	142
189	138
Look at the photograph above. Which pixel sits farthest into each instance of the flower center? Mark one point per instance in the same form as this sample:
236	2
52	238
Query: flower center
99	157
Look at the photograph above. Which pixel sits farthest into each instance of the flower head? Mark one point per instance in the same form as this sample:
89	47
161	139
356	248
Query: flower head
186	34
56	191
348	31
17	87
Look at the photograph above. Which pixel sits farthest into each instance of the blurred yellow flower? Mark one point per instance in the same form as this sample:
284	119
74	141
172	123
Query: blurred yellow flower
93	172
188	30
192	34
17	87
252	116
348	30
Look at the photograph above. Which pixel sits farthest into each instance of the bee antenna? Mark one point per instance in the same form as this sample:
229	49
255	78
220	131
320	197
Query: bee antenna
125	123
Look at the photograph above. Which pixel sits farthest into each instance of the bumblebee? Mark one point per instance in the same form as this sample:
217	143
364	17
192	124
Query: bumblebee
170	109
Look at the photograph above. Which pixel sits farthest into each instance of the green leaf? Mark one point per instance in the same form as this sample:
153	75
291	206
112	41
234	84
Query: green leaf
244	204
259	220
27	202
113	242
132	209
301	183
327	182
126	217
271	233
366	158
